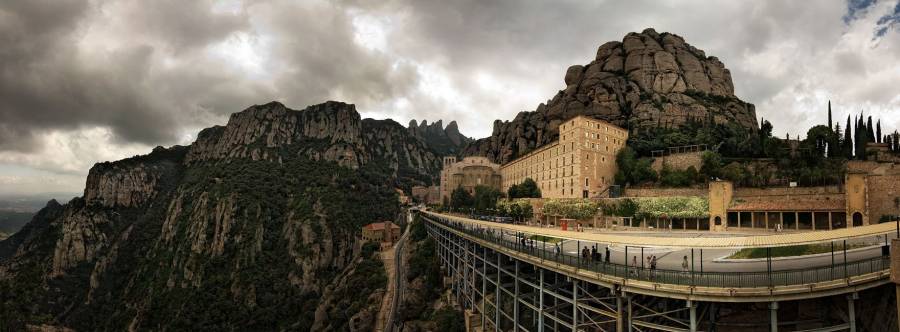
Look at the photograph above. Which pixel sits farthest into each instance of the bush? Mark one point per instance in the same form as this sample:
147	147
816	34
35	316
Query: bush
518	209
571	208
672	207
449	319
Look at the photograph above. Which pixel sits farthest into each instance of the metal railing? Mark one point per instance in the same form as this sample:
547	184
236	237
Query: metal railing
774	278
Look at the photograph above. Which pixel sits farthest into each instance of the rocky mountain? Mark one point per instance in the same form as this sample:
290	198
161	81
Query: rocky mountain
254	226
647	80
445	141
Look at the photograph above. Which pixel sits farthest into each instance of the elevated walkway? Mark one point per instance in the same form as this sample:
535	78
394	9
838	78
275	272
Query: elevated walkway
690	284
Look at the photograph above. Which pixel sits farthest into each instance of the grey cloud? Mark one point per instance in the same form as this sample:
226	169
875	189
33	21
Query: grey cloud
145	71
157	79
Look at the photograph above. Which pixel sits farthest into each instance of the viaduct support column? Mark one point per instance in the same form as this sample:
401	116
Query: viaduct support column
483	284
851	312
540	310
497	292
516	299
574	304
773	316
620	317
693	310
629	311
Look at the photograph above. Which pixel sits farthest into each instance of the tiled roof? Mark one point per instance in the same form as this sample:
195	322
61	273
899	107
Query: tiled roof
377	226
788	204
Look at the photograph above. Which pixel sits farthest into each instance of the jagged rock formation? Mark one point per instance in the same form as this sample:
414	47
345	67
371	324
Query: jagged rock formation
254	226
445	141
647	80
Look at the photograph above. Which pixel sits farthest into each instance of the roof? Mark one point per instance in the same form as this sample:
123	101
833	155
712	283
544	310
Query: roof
734	242
763	205
377	226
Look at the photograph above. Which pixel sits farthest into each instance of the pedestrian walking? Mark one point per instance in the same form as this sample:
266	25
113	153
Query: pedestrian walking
653	267
607	254
684	264
594	254
584	253
557	249
634	271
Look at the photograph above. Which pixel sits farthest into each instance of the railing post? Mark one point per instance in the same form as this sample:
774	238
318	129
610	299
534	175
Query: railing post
845	260
769	266
692	270
832	259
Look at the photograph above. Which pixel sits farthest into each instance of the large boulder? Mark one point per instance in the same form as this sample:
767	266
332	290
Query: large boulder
642	81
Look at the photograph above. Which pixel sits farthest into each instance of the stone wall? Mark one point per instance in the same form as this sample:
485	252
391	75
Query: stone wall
657	192
679	161
883	192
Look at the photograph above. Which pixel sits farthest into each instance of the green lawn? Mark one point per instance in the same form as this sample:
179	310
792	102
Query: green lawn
788	251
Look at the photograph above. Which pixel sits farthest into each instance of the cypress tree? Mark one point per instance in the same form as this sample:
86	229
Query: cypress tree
848	140
878	131
896	141
830	126
870	130
860	146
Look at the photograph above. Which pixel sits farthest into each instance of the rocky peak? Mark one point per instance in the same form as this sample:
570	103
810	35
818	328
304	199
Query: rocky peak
445	140
646	80
130	182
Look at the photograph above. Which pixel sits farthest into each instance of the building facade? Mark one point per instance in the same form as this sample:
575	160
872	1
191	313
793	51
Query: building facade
381	232
580	164
468	174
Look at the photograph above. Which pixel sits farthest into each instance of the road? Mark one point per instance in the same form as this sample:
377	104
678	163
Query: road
399	278
671	258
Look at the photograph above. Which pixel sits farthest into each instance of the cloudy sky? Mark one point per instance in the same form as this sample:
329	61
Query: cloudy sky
88	81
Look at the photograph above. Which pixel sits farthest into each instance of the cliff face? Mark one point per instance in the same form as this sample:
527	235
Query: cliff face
445	141
647	80
255	225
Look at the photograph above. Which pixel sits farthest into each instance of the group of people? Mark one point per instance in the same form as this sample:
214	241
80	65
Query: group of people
593	255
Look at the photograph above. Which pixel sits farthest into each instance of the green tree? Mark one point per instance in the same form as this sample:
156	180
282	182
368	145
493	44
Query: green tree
460	198
633	170
527	189
711	164
735	172
485	198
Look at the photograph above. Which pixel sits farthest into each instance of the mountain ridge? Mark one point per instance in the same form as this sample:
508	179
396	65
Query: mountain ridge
254	225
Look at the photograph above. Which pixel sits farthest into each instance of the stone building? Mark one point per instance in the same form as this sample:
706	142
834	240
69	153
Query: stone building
580	164
420	193
381	232
468	174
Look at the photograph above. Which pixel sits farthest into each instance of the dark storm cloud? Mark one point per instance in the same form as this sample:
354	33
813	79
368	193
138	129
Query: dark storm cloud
151	71
47	84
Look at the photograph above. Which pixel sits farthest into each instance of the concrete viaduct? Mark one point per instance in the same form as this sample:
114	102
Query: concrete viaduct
506	284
